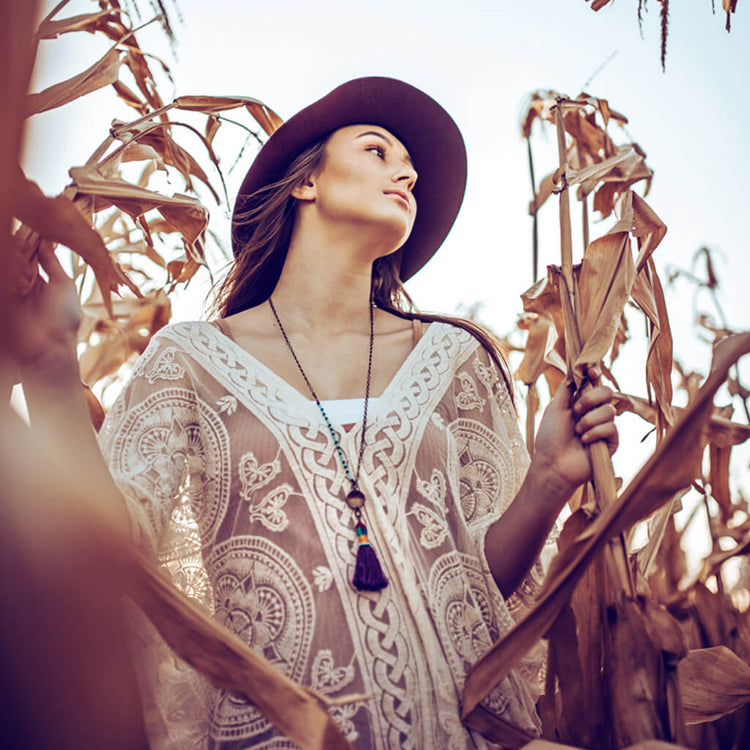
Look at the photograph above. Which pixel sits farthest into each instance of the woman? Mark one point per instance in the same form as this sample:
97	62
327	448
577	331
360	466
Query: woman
342	484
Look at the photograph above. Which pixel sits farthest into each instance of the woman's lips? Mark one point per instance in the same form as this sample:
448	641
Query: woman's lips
403	197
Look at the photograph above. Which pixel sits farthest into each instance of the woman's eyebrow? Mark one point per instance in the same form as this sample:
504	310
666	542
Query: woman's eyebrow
386	139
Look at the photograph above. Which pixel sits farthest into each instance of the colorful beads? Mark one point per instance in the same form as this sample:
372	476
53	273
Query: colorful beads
361	530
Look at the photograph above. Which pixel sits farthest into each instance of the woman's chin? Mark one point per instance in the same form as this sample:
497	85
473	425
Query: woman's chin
388	248
395	234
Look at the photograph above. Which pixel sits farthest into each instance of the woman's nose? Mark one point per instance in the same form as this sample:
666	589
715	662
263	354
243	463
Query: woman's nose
406	175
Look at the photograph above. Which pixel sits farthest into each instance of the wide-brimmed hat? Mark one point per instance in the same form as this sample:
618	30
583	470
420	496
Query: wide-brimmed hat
431	137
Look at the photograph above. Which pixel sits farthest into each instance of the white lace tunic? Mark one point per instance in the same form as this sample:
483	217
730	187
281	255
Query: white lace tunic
233	481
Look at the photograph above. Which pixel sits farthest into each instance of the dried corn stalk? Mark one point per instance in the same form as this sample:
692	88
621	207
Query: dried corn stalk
604	625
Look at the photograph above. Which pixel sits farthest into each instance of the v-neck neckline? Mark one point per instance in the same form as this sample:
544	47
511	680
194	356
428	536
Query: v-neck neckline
376	401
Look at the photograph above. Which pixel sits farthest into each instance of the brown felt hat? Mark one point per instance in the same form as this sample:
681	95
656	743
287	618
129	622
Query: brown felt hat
418	121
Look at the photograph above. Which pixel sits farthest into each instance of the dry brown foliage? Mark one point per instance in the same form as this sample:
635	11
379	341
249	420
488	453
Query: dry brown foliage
626	635
110	223
620	625
728	6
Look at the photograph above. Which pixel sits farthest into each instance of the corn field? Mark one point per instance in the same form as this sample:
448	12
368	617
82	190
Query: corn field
640	653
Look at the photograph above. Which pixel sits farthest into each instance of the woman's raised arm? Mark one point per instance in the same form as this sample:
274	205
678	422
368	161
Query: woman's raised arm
42	342
559	465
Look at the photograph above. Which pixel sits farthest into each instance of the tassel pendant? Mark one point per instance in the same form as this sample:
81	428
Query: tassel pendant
368	575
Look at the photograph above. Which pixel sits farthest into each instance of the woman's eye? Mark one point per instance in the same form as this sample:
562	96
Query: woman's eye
379	150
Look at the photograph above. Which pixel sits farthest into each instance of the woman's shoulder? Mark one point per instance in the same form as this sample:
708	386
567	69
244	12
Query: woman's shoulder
471	340
183	329
183	337
444	327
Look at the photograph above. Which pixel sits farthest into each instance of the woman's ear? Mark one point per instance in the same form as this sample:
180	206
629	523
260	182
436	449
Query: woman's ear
305	191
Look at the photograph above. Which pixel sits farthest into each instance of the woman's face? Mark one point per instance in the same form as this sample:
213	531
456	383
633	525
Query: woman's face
366	181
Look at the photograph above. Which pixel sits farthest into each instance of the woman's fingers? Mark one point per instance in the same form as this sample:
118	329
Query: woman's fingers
49	261
595	417
593	373
598	424
591	398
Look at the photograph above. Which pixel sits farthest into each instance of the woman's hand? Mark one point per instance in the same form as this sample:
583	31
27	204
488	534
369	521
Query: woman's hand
570	424
45	316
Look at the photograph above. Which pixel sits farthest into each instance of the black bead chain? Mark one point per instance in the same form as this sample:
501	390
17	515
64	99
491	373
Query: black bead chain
355	478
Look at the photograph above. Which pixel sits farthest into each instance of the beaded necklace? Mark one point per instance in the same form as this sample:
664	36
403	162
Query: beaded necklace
368	575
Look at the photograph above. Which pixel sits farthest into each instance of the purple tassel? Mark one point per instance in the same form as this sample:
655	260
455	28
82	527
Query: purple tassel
368	575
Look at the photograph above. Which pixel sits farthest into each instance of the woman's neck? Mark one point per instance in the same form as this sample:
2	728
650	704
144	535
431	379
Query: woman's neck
324	289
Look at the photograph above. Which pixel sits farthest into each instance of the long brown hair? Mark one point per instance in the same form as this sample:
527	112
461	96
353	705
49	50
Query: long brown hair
267	219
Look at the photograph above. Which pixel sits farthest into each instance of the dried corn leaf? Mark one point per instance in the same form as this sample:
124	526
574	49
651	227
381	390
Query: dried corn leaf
546	188
621	337
136	321
57	219
602	105
130	98
672	467
721	431
540	106
584	716
658	526
213	123
102	73
573	711
212	105
184	212
189	217
142	152
713	563
68	651
144	79
718	458
539	353
543	298
647	227
96	410
84	509
182	270
498	730
591	144
713	682
228	662
715	621
91	22
156	136
625	168
649	296
604	284
642	646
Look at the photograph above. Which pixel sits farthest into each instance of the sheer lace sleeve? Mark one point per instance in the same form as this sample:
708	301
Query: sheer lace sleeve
157	446
494	475
493	463
146	438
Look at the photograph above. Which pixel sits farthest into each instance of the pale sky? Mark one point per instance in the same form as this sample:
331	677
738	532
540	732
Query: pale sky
480	59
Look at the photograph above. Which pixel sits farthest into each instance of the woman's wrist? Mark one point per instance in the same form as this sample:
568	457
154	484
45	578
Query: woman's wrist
548	485
52	370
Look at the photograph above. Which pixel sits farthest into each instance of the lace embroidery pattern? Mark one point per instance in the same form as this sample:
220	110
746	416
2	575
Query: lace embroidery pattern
176	446
434	470
486	470
165	367
262	596
468	397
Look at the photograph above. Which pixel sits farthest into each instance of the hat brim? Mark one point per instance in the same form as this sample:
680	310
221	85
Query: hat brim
430	135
